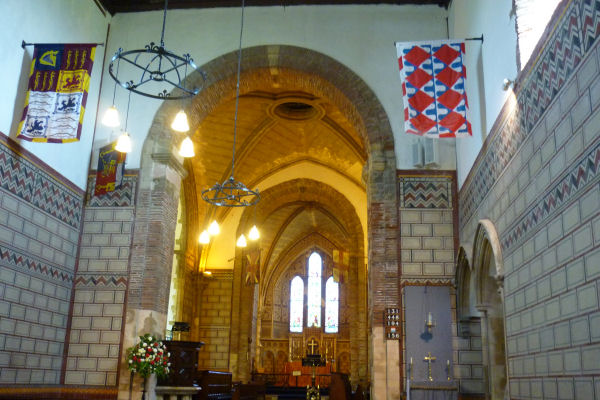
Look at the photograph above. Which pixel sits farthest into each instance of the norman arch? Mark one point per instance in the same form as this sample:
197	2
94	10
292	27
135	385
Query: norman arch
298	70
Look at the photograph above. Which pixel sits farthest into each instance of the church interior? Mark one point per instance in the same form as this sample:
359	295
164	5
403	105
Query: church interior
369	262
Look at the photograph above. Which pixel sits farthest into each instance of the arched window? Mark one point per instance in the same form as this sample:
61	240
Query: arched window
296	304
313	299
332	300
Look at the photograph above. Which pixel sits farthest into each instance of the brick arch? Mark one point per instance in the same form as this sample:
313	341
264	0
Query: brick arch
314	72
309	70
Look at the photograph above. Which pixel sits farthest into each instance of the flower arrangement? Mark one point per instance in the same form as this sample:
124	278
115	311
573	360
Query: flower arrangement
149	356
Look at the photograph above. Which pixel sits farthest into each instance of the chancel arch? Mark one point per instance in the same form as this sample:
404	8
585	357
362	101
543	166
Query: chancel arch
489	278
349	137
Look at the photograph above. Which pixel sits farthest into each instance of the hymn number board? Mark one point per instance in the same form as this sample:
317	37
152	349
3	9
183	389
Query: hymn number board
391	320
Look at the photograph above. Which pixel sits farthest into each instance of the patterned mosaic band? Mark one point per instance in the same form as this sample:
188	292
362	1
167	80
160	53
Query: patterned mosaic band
123	196
425	192
24	262
574	35
22	175
110	281
584	173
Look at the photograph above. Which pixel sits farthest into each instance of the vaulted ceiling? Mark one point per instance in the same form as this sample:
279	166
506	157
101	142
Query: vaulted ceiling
298	147
116	6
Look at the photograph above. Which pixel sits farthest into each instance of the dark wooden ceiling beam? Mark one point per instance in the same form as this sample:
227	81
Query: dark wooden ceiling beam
122	6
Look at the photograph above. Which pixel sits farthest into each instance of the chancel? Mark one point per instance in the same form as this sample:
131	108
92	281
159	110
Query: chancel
375	200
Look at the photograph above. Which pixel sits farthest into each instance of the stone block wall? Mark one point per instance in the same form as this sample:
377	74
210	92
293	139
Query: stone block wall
537	180
427	229
468	369
39	234
428	246
100	287
215	321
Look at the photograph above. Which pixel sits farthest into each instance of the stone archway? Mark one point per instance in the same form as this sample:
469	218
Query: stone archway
489	279
161	174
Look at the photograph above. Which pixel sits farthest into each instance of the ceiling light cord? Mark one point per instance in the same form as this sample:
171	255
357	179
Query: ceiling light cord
237	91
162	34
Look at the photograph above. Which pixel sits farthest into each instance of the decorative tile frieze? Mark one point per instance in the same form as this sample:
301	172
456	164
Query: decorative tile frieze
24	262
33	184
584	173
92	281
574	36
425	192
122	196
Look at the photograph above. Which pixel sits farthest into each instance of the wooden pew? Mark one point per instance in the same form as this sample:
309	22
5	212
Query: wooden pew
214	385
249	391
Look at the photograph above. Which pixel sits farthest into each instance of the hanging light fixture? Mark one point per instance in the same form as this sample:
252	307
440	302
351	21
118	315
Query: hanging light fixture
186	149
232	193
204	237
162	72
111	115
213	228
124	141
254	234
241	242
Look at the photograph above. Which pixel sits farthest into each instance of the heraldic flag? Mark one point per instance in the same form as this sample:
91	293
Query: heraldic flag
253	266
111	166
58	86
433	87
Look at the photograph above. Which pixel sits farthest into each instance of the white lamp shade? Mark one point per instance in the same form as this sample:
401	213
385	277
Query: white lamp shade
124	143
253	234
213	229
187	148
111	117
180	123
241	242
204	237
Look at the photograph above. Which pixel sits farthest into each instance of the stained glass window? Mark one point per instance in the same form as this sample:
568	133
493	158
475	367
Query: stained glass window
296	304
332	299
313	300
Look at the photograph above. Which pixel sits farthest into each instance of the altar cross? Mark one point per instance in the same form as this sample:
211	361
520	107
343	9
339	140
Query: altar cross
429	358
312	346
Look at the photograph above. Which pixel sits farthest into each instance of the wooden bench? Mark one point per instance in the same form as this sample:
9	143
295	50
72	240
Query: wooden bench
249	391
214	385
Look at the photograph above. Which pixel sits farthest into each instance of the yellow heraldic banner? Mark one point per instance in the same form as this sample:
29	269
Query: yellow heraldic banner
58	87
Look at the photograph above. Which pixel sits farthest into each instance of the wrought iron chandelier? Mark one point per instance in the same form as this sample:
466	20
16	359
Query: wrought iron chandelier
155	72
232	193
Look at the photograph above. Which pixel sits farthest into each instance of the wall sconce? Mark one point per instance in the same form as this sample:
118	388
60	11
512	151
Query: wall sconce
507	84
429	324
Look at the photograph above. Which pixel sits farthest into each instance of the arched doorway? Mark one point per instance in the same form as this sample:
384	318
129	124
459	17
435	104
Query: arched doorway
489	278
328	95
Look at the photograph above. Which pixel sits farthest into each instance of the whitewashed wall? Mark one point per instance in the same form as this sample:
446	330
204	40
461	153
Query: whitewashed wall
43	21
487	63
360	37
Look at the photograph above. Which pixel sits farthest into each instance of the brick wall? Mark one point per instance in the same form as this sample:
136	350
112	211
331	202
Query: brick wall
100	287
39	234
215	321
537	180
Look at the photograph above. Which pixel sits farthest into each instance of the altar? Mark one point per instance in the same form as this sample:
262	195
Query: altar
300	376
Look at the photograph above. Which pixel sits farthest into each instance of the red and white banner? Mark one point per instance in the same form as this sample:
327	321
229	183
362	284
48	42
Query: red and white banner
433	86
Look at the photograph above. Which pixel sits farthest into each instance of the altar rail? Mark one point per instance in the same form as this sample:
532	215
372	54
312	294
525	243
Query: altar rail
286	380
